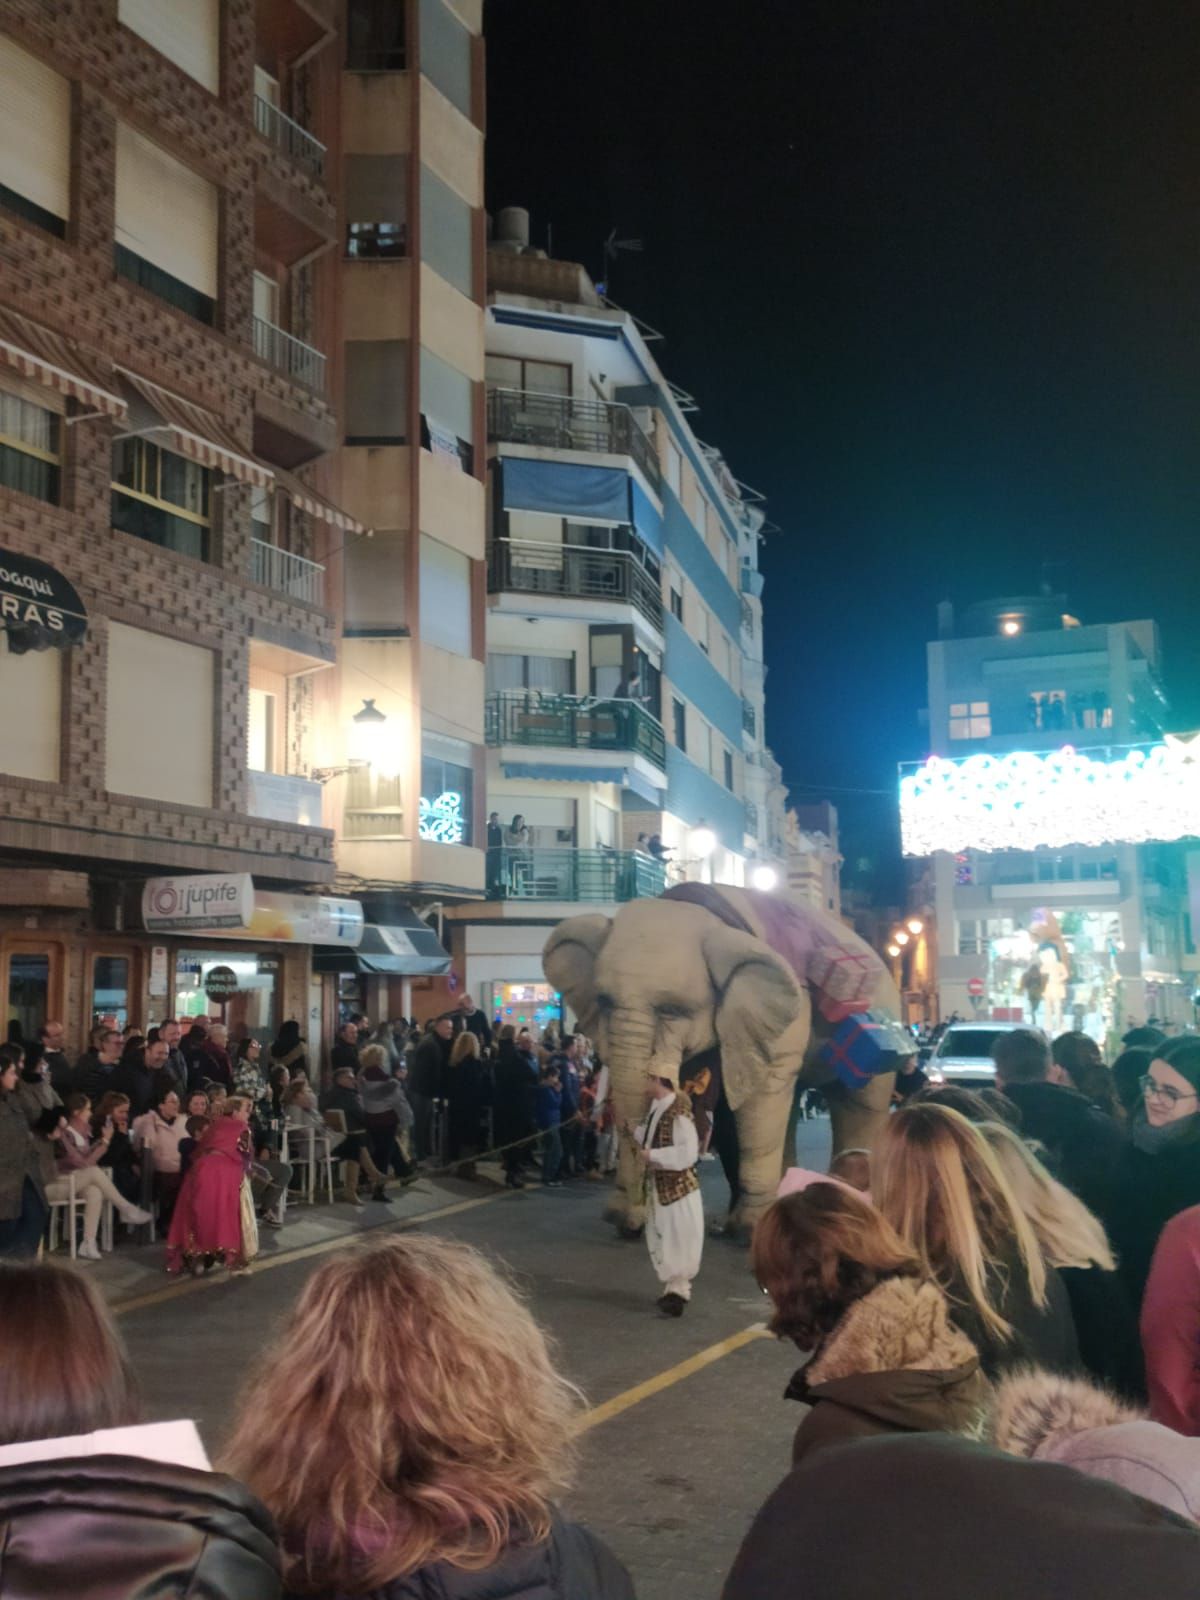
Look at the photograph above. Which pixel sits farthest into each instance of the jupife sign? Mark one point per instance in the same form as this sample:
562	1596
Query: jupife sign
39	608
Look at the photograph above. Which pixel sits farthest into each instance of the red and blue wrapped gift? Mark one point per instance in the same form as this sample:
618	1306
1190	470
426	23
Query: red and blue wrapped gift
863	1045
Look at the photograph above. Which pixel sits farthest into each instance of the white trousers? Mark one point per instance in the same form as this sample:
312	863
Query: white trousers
675	1236
94	1186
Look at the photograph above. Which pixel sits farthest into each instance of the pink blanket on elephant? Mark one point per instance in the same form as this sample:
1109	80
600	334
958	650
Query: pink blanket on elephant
842	972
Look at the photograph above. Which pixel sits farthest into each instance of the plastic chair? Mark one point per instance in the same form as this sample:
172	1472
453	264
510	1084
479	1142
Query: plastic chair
70	1208
299	1146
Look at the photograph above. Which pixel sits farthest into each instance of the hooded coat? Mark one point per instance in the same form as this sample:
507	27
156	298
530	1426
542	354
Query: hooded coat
926	1517
894	1364
1171	1325
1046	1417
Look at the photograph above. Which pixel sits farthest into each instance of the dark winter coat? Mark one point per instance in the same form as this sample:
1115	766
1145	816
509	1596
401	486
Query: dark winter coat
1106	1328
516	1094
1150	1189
920	1516
18	1151
1042	1336
429	1063
1083	1144
119	1528
548	1101
893	1364
572	1565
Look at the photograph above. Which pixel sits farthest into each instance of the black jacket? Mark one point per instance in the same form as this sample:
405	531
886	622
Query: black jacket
1109	1346
1084	1145
349	1102
1148	1190
430	1060
516	1090
572	1565
1042	1337
924	1517
116	1528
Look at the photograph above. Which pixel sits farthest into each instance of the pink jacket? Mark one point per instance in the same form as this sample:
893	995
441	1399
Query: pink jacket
1171	1325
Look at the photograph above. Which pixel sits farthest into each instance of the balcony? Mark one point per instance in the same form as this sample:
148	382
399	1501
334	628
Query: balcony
289	137
291	356
749	719
294	576
573	722
528	566
599	876
280	797
558	422
747	617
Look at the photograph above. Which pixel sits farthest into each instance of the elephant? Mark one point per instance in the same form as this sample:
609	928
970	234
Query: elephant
738	979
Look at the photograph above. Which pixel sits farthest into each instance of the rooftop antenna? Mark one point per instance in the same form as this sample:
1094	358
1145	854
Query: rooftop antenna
612	248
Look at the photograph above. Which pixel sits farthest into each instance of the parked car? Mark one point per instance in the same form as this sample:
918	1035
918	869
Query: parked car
964	1053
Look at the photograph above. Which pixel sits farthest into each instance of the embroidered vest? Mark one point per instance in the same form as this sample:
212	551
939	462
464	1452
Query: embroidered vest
671	1186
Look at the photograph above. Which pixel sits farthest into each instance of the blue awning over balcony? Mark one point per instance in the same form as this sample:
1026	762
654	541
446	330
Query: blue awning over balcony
647	518
565	489
560	772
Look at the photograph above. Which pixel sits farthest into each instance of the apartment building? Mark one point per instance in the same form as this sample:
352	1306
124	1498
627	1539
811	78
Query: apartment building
1088	931
624	632
242	388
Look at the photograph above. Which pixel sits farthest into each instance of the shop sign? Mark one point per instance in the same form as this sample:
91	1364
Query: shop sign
158	971
39	608
207	900
221	983
305	919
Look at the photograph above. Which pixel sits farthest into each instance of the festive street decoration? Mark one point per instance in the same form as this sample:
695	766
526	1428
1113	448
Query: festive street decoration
442	820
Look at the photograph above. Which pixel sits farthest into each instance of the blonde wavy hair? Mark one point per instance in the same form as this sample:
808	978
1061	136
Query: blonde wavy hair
415	1415
464	1047
1070	1236
938	1183
230	1106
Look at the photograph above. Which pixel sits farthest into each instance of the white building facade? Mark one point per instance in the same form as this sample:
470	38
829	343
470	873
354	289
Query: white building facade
1089	931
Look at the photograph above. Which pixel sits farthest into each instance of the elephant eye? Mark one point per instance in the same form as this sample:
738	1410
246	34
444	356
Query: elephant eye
672	1010
604	1002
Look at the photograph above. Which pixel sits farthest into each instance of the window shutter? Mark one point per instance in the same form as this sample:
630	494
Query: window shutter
187	32
157	682
35	130
166	213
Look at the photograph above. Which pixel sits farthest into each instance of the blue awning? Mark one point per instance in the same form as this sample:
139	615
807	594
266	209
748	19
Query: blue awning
555	772
563	489
647	518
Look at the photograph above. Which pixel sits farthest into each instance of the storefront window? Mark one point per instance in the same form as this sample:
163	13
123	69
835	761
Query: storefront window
1057	969
28	991
527	1005
110	989
237	986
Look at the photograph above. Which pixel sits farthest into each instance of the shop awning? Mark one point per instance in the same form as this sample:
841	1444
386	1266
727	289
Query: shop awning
39	608
191	430
406	947
48	358
307	499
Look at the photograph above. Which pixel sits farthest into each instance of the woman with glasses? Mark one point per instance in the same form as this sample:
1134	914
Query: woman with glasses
1160	1168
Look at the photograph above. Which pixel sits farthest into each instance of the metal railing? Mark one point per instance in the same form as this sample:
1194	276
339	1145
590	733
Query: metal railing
747	617
529	566
559	422
751	819
295	576
572	722
749	720
288	354
595	875
287	135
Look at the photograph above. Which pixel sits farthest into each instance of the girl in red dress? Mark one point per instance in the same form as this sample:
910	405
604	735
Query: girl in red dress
210	1220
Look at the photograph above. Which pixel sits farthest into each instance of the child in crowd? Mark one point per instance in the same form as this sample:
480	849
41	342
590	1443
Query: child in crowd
549	1119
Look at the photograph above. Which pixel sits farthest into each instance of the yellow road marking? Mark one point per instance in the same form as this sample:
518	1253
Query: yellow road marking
664	1380
174	1291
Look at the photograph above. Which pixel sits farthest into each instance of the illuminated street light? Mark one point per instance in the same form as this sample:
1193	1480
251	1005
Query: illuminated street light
703	842
900	936
915	926
893	950
1010	626
764	877
373	743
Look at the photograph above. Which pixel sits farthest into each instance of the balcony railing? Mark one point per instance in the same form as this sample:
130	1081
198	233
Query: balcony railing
752	819
295	576
573	722
289	355
296	142
747	617
529	566
749	720
594	875
558	422
281	797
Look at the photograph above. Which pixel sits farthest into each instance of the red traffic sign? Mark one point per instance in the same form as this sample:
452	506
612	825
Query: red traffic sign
975	988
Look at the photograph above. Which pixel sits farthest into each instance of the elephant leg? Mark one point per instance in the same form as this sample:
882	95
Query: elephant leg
762	1126
725	1143
859	1116
627	1205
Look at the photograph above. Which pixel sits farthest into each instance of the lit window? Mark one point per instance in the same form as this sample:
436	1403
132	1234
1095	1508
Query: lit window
30	447
970	719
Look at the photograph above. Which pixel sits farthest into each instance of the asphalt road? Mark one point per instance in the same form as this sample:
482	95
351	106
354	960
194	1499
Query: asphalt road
673	1464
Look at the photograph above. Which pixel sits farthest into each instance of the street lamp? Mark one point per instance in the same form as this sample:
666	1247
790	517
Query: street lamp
915	926
764	877
893	950
370	745
900	936
703	842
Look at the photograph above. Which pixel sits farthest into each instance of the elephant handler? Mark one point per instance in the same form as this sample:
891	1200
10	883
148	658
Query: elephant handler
668	1149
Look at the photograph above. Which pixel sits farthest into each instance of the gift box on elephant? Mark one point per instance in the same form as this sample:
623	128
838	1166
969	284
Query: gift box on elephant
864	1045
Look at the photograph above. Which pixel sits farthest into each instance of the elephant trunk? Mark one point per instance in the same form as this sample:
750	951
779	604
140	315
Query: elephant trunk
631	1054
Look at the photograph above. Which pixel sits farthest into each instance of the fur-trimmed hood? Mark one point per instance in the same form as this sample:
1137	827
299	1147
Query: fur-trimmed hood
1050	1418
896	1358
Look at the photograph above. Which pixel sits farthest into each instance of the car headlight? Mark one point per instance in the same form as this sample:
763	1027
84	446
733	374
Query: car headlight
936	1075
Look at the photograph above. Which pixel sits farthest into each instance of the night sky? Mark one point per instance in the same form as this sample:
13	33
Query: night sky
931	272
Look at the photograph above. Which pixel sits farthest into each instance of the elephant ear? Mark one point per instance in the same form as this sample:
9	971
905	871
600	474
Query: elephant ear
569	962
762	1013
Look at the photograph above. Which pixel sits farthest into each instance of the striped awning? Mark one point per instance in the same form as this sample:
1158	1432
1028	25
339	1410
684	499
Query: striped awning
193	430
50	359
307	499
